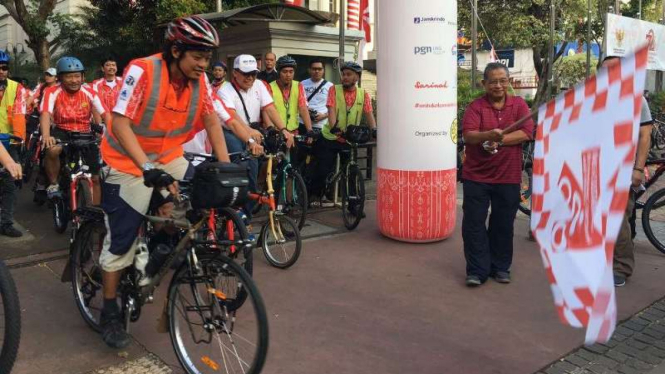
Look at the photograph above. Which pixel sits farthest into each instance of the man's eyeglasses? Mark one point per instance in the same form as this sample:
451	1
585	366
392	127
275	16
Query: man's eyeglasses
4	67
248	75
499	82
317	69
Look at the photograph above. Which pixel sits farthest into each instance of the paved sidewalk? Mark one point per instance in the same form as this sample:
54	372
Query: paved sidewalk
637	346
354	303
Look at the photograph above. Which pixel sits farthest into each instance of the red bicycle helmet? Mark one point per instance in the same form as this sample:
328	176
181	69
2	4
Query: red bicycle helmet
192	32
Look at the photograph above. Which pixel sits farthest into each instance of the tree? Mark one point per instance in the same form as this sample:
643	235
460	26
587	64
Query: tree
525	24
40	23
135	28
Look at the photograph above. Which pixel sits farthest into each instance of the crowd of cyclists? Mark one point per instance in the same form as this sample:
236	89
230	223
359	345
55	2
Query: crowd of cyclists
163	106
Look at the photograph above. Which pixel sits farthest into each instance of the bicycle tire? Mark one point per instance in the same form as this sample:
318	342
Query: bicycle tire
354	178
60	215
231	269
81	254
83	195
28	165
646	219
286	232
525	191
239	228
12	320
299	214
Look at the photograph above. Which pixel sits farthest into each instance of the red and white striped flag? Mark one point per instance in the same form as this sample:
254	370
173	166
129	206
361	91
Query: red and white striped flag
358	17
295	2
353	14
583	162
493	56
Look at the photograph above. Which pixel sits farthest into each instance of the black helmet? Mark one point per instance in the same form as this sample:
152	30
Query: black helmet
286	62
273	141
350	65
357	134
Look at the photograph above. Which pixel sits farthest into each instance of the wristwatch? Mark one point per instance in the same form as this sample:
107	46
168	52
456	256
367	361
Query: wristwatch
148	166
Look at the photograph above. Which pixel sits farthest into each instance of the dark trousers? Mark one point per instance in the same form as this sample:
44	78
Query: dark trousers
489	249
9	191
326	154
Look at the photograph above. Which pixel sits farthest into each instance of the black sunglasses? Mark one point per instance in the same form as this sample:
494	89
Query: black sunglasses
4	67
247	75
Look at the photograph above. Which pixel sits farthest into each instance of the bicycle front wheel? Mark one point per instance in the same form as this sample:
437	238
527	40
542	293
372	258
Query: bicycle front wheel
281	242
60	215
11	320
353	198
293	197
86	271
653	219
206	335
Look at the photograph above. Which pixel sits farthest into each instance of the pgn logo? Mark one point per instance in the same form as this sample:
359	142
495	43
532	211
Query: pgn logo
425	50
416	20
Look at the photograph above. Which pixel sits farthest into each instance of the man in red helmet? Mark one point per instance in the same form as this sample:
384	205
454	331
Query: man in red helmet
164	97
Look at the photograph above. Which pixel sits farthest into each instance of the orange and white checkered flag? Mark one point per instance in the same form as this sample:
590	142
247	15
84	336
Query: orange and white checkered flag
583	162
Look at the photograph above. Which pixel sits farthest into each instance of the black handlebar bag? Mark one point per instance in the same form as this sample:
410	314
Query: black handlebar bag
219	185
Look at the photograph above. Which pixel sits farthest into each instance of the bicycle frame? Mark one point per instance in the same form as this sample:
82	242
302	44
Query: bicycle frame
651	180
339	169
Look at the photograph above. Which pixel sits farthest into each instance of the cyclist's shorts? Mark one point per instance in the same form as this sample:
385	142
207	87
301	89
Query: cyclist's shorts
125	199
91	155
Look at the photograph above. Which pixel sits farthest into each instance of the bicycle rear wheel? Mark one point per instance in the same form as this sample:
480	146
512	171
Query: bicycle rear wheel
525	191
653	219
292	197
281	241
353	198
10	319
207	336
86	271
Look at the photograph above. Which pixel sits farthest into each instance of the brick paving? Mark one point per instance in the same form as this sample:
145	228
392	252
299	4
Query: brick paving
638	346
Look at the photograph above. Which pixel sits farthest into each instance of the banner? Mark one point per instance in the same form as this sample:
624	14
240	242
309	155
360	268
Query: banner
624	35
417	103
583	162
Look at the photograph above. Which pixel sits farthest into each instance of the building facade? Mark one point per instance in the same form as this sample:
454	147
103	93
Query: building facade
12	36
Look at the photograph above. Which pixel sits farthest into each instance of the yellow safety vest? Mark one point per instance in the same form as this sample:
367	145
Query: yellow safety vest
288	112
346	116
7	107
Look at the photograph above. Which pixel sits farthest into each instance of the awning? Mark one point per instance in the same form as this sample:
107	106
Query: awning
271	13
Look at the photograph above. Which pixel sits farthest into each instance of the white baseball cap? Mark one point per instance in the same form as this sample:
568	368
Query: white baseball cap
51	71
246	64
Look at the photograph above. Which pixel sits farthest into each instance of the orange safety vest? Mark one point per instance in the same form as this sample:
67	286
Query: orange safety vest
166	121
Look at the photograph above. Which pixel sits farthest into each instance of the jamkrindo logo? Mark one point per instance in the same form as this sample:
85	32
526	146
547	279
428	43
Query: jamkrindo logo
453	131
425	50
419	20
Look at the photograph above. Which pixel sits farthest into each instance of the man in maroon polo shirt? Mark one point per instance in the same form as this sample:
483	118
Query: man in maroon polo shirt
492	173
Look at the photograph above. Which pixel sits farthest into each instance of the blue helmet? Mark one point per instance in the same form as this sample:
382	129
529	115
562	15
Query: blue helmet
69	65
4	57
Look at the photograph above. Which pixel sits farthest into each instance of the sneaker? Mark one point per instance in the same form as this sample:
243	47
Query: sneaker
53	191
501	277
113	333
473	281
10	231
619	281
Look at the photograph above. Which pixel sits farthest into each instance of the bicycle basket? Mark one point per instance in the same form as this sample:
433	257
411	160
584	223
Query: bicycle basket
218	185
357	134
273	141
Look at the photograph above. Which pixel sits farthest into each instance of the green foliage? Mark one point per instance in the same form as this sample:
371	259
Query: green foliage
657	102
170	9
465	93
571	70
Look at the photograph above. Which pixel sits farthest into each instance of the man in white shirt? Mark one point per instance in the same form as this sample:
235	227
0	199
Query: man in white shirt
316	89
248	100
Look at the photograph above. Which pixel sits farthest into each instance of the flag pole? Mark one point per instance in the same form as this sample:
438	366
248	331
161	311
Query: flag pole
342	33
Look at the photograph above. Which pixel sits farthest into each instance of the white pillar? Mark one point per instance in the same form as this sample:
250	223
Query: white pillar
417	103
